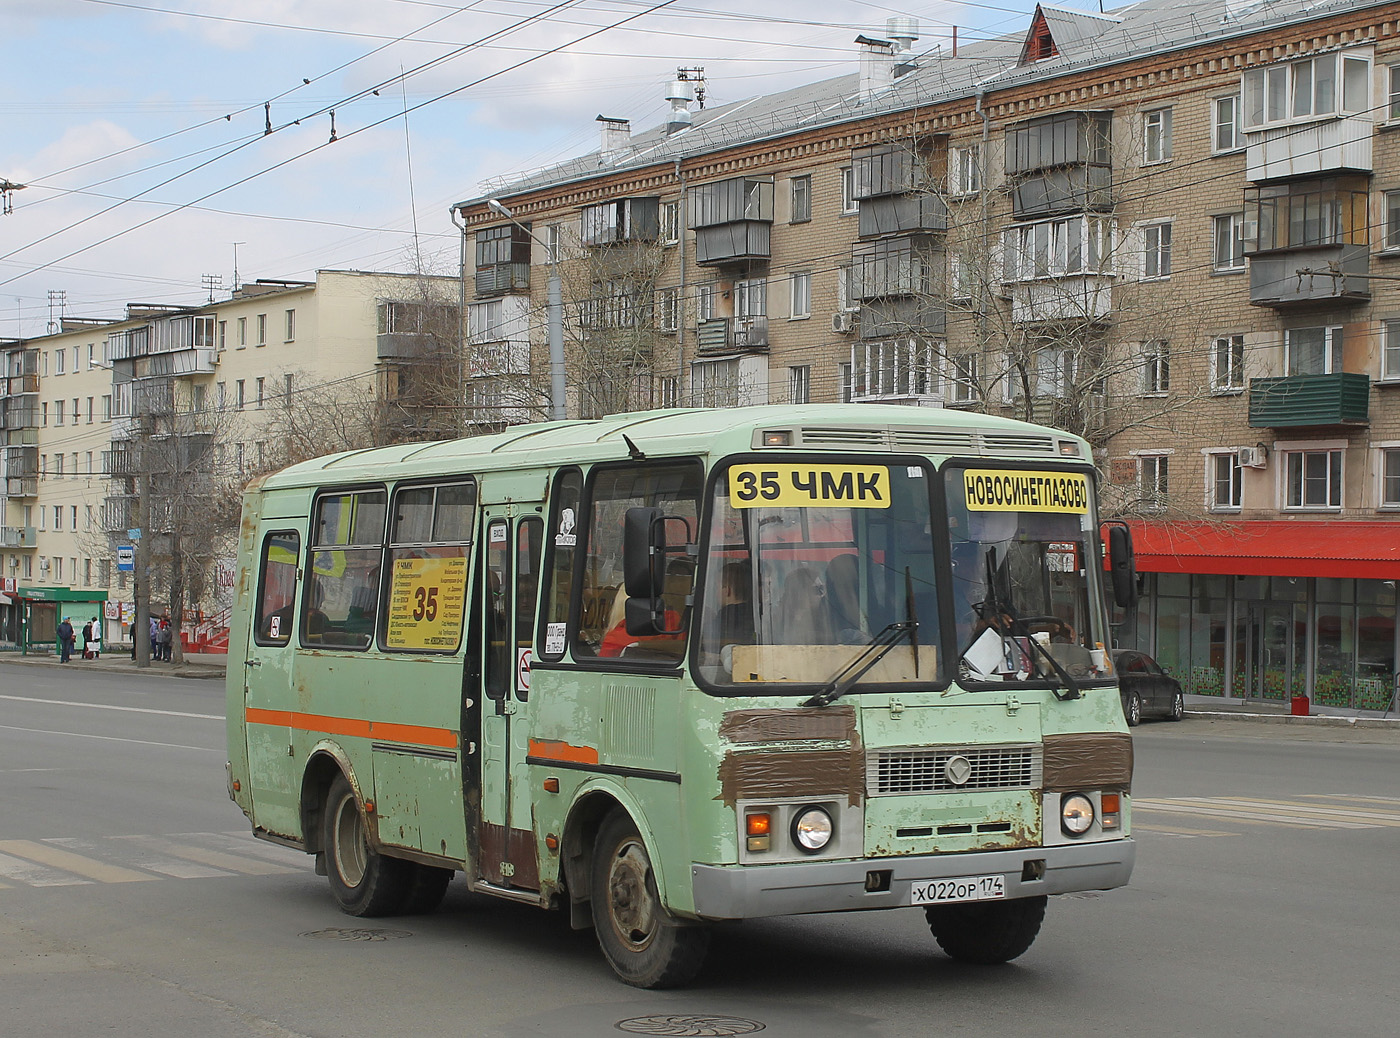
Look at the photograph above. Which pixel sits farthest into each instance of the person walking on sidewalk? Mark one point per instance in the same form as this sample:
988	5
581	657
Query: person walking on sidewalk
65	640
164	637
94	638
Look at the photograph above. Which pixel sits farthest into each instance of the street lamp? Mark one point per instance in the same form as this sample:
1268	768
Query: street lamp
555	315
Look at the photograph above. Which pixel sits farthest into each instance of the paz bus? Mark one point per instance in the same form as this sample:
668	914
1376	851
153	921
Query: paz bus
671	669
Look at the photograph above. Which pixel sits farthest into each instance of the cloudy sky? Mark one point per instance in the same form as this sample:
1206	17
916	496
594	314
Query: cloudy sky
139	127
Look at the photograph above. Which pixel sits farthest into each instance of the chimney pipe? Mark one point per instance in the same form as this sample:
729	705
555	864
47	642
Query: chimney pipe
681	93
876	66
616	135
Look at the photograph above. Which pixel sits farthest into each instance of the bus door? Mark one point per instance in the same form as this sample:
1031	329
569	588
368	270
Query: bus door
267	676
512	551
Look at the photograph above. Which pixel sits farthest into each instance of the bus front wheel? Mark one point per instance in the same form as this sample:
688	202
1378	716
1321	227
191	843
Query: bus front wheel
986	932
642	943
364	882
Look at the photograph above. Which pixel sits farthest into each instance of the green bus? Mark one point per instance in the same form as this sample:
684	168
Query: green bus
668	669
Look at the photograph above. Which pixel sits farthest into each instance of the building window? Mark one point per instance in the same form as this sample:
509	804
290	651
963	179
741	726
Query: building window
58	412
669	392
240	397
1229	242
965	378
106	407
1054	248
75	410
1227	125
800	384
802	294
289	325
1157	250
715	383
1156	367
670	223
89	410
58	510
1313	351
286	390
58	361
1152	480
73	513
965	170
843	288
1157	135
1390	477
848	191
1392	219
242	332
893	368
223	335
1306	90
261	340
668	305
1390	352
259	397
801	199
1314	479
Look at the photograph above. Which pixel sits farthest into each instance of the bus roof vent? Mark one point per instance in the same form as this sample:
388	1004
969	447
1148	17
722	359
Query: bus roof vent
1018	443
849	437
935	441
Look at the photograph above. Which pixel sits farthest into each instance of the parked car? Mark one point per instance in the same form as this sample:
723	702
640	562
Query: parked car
1147	690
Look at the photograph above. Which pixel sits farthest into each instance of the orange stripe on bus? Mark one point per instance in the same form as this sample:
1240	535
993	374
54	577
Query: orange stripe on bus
410	733
563	751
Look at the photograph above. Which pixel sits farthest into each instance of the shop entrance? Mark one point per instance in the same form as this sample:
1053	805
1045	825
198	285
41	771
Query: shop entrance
1270	638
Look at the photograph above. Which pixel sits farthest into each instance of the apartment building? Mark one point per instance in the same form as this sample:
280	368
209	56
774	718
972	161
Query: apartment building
1167	227
114	426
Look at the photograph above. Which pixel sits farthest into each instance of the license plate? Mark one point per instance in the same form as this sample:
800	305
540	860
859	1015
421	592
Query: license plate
965	888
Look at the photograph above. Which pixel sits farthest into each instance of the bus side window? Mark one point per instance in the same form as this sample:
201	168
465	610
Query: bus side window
529	544
562	562
277	581
500	661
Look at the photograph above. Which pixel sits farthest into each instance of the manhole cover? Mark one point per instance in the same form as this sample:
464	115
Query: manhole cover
689	1025
341	933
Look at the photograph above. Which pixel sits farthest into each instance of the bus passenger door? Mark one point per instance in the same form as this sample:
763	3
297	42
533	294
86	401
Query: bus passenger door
510	590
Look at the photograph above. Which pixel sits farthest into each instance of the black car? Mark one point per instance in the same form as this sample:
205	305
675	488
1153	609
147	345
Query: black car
1147	690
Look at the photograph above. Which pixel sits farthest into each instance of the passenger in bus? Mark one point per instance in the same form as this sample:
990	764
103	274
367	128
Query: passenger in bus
617	642
734	622
843	598
802	611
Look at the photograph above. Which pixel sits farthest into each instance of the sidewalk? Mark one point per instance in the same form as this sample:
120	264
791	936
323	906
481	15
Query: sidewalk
195	665
1279	712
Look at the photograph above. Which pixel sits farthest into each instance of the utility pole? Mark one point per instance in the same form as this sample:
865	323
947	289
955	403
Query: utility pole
141	632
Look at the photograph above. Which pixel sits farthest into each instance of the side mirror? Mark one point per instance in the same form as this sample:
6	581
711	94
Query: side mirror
644	553
1122	565
644	616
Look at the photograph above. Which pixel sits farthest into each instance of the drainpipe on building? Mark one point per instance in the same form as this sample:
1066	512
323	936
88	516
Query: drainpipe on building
680	306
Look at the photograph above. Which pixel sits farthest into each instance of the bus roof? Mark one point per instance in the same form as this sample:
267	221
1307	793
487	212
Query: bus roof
669	433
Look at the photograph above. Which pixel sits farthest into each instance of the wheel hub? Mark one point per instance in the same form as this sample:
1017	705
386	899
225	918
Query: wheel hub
629	897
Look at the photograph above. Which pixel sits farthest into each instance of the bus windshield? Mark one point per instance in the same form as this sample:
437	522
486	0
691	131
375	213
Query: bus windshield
810	563
1022	550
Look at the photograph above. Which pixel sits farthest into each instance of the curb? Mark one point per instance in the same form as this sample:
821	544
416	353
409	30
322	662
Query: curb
186	671
1318	720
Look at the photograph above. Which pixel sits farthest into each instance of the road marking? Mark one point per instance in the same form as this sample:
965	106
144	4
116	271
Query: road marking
1354	799
70	862
216	859
109	706
111	738
1260	812
32	875
1172	830
247	843
1375	817
152	861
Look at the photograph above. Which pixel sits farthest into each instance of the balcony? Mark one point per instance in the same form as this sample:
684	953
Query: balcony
1071	190
1309	400
17	537
723	334
1274	280
405	345
497	278
1060	163
21	486
733	221
1072	299
622	221
902	214
917	315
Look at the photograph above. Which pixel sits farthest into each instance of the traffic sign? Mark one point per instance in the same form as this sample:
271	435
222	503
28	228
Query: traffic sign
126	557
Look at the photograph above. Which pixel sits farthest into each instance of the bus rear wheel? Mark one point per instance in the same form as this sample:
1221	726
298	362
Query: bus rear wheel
427	885
643	944
986	932
363	881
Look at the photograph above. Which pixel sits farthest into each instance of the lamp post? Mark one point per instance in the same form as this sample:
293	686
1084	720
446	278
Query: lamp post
555	315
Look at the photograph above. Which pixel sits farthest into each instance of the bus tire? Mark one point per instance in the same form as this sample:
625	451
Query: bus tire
363	881
986	932
427	886
643	944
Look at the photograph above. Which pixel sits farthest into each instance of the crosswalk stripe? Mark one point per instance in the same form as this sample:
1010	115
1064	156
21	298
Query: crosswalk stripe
1173	830
1238	815
70	862
32	875
247	843
1377	817
153	862
215	859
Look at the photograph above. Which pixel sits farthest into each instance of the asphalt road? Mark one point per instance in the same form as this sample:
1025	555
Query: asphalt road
133	902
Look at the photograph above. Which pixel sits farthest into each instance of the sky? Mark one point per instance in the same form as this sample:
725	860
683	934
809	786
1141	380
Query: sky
140	128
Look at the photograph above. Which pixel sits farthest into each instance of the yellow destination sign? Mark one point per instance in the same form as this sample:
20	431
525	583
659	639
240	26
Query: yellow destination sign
1002	491
426	601
808	486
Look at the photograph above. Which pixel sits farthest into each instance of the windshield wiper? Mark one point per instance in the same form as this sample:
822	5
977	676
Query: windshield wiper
872	654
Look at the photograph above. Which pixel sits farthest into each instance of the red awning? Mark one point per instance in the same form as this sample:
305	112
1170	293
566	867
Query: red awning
1368	549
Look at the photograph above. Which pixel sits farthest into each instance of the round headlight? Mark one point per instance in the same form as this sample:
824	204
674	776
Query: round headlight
1076	814
812	829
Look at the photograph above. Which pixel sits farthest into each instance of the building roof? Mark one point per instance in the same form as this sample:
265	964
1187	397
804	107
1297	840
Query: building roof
1083	39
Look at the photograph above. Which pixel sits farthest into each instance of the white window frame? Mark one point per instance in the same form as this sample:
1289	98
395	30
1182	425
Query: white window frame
1233	482
801	295
1305	90
1156	136
1227	378
1154	468
800	384
715	383
1156	367
1057	248
242	333
1390	220
965	170
964	373
670	223
1390	349
1332	350
894	369
800	198
1226	134
1286	450
1228	227
1156	250
668	302
1385	451
289	325
849	204
59	361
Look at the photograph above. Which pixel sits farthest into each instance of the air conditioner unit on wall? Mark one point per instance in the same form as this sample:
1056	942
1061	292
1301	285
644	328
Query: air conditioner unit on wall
843	322
1253	457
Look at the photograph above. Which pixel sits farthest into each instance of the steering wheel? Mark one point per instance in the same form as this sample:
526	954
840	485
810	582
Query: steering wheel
1052	625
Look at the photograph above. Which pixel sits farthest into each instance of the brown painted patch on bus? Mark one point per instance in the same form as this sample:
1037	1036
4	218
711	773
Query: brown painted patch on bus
1089	760
828	723
810	773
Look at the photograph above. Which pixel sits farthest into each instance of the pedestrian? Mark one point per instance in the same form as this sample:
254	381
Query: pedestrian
87	637
65	640
164	637
95	639
155	637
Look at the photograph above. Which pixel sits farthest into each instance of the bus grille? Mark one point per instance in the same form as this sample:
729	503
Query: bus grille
925	770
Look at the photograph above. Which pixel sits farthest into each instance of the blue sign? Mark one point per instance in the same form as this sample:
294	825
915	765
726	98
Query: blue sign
126	557
134	535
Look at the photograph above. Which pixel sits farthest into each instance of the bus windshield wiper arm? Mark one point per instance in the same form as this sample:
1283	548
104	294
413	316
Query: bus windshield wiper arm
872	654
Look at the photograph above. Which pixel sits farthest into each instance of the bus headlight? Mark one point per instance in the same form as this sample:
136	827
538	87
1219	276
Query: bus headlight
1076	814
812	829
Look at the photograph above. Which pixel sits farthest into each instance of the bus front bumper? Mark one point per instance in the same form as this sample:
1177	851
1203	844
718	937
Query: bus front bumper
754	891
